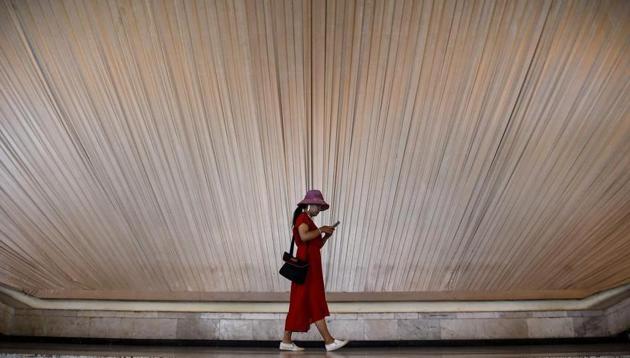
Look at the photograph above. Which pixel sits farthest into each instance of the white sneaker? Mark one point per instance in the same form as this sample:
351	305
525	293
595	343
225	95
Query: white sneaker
338	343
290	347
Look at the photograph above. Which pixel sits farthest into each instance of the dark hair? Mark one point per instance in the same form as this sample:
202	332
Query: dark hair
297	212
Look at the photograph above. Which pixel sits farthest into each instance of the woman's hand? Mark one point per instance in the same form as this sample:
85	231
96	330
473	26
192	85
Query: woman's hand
328	230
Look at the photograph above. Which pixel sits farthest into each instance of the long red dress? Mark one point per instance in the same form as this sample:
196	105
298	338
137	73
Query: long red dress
308	300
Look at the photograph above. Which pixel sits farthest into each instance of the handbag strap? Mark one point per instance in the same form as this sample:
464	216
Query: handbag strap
293	244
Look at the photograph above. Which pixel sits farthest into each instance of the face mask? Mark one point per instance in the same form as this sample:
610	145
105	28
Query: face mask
312	210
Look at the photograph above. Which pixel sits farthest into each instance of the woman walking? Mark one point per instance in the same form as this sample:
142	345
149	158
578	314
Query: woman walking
308	300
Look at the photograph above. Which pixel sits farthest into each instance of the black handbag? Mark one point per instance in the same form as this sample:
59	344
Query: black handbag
293	268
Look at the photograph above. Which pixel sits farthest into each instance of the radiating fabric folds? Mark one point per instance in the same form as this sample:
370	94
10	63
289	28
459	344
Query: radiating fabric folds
466	146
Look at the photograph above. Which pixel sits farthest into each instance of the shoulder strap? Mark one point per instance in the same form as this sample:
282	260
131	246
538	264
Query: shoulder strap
292	241
293	244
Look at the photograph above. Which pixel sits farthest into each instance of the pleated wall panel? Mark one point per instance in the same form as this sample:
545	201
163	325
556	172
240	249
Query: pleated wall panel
469	148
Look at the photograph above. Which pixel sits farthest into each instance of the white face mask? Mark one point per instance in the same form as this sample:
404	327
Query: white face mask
312	210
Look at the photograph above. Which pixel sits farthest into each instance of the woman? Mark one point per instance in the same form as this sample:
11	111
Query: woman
308	300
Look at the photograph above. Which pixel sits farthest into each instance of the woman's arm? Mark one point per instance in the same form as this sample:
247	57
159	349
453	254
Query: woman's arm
307	235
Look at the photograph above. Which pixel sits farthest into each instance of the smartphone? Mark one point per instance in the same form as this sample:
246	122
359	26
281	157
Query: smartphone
337	223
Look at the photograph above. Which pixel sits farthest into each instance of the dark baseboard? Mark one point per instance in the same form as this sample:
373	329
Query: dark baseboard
623	337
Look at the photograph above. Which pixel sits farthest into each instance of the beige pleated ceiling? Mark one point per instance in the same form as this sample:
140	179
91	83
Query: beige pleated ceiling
470	149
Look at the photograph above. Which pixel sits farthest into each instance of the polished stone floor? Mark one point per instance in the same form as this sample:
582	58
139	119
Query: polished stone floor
10	349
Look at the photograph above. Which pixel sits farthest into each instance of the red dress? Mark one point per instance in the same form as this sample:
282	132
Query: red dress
308	300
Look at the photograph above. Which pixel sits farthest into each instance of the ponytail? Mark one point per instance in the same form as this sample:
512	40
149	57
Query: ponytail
297	212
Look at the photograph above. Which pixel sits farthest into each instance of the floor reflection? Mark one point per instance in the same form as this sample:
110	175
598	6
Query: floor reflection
9	349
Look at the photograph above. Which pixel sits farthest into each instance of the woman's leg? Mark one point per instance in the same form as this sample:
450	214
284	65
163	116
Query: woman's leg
323	330
287	337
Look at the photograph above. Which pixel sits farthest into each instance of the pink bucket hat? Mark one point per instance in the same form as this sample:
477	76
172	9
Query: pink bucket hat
314	197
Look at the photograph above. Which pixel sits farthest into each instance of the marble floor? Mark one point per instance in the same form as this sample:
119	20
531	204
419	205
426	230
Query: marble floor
11	349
